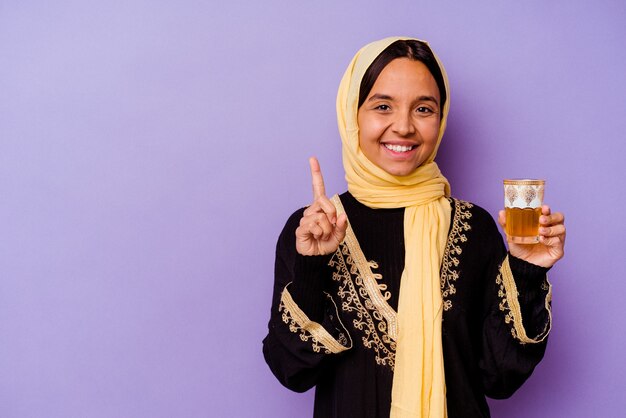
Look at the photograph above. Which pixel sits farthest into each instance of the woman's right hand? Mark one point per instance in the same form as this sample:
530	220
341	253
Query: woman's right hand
321	230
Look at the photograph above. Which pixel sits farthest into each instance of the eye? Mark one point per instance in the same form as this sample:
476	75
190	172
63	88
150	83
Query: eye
424	109
383	107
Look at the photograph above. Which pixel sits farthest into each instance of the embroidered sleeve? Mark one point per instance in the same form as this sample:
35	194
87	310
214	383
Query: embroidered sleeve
510	305
314	332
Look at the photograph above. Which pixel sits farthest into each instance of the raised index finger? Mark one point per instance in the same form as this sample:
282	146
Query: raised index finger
318	181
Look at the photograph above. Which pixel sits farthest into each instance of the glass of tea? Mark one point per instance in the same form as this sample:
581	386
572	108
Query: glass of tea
522	203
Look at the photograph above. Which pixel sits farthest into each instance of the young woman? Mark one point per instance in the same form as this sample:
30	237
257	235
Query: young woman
395	299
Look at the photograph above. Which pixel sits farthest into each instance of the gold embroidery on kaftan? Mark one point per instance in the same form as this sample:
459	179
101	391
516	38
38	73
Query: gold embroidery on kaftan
300	323
363	295
355	299
456	237
509	304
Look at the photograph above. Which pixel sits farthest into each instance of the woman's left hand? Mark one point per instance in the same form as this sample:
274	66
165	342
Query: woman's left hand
549	250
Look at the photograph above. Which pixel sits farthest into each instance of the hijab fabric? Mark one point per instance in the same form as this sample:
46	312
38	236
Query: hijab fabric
419	381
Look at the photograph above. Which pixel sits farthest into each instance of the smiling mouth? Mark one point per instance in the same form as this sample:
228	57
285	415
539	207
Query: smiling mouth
400	148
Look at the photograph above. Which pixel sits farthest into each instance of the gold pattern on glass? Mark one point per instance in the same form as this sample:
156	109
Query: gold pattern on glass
522	201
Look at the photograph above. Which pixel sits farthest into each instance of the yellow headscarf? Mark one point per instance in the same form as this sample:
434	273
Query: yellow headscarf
419	380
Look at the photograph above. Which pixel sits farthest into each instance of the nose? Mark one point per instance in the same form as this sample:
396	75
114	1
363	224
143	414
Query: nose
403	124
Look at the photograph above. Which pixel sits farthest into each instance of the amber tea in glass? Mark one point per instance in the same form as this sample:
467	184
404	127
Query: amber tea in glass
522	203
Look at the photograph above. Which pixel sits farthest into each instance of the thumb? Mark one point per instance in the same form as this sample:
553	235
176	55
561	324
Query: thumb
342	225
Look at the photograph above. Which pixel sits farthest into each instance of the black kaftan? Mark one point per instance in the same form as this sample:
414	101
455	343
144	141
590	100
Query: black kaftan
331	316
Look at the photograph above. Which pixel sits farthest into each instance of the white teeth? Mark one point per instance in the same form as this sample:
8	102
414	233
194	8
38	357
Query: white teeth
398	148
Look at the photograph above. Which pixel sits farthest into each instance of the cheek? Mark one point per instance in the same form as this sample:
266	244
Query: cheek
430	131
368	145
364	134
369	130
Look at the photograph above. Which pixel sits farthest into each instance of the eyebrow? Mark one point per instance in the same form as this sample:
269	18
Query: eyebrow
379	96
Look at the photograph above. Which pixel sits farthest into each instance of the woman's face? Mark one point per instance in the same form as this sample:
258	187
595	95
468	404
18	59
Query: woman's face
399	119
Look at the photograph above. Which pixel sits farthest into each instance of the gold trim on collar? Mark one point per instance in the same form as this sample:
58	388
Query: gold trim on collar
369	279
450	271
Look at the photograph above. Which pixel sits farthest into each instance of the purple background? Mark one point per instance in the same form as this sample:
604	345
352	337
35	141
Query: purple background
150	152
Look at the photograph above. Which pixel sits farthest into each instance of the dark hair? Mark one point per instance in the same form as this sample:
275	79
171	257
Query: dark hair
412	49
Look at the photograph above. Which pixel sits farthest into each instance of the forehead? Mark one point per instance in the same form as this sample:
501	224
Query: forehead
404	75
